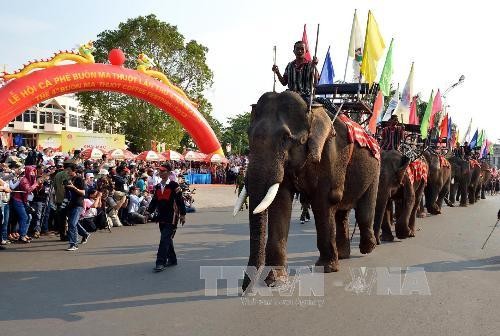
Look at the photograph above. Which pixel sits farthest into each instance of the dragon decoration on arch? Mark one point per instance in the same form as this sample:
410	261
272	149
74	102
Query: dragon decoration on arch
84	55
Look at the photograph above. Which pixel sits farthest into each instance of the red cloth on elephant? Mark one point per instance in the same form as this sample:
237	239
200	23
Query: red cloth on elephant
357	133
474	163
443	162
417	170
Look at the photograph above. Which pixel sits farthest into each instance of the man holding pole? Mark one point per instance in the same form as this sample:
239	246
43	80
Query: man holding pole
298	73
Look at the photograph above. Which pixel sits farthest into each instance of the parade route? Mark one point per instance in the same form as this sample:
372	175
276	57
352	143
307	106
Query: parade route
108	288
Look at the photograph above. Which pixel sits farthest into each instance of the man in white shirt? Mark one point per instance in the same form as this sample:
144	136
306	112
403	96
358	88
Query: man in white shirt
135	211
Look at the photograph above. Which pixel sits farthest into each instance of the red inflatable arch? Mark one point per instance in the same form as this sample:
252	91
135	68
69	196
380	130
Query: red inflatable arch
35	87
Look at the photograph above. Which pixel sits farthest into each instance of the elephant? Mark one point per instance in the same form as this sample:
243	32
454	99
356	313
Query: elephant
460	177
438	183
296	150
398	181
475	181
485	177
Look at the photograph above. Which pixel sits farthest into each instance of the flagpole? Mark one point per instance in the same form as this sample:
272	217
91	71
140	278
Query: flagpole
364	47
348	50
313	72
274	73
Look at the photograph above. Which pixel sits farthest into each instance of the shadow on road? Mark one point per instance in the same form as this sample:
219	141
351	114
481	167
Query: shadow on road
487	264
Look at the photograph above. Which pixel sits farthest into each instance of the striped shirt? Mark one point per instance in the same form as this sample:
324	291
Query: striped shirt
299	77
391	137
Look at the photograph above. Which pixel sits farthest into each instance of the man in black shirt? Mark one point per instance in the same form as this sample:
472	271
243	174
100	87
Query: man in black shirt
164	196
76	189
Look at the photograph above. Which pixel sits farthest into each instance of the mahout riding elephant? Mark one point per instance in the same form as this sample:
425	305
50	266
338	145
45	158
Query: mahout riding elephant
291	150
438	183
475	181
460	177
403	182
485	177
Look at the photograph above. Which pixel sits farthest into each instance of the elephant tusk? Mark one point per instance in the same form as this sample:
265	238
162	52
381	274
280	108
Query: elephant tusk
268	199
239	201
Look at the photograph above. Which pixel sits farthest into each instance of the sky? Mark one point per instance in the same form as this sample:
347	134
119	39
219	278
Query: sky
445	39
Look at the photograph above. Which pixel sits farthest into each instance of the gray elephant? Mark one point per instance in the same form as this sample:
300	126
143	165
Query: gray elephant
460	177
403	182
475	181
291	150
438	183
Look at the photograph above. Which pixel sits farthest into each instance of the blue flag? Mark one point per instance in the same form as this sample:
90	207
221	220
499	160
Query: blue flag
473	142
327	73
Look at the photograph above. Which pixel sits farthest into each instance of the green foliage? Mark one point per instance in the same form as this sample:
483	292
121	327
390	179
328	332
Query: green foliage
183	63
236	134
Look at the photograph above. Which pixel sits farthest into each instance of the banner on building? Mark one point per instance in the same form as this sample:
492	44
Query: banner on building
105	142
49	141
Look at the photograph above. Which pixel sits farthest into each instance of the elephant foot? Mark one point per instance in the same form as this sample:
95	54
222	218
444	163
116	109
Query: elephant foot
344	249
367	244
451	205
483	197
387	237
329	266
276	278
403	233
421	215
411	233
434	211
463	205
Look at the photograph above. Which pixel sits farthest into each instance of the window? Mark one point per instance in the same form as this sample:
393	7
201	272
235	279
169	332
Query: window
29	116
71	108
73	120
59	118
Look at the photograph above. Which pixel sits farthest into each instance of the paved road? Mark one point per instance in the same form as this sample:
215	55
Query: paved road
107	287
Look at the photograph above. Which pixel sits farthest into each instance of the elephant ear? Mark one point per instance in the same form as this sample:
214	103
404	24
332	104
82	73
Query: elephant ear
400	173
320	129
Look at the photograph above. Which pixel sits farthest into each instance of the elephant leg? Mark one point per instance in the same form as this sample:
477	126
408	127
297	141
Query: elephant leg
365	214
278	226
463	194
386	223
411	221
342	234
401	227
325	235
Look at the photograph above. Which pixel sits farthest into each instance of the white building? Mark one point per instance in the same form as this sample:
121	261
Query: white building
49	118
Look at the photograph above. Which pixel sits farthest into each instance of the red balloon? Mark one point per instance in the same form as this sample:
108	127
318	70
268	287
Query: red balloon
116	57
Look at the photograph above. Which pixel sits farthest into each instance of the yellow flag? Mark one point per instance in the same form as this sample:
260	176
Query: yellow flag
372	51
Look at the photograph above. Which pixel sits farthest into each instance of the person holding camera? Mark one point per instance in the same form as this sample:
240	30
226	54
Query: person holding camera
76	189
20	201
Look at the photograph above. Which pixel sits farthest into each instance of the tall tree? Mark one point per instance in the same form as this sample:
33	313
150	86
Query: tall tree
183	63
236	133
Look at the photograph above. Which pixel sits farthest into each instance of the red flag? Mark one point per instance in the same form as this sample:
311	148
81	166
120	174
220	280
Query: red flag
413	119
307	56
437	106
444	127
377	108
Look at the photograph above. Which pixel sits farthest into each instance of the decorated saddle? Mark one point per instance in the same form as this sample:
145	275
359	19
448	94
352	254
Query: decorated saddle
443	163
357	134
474	163
417	170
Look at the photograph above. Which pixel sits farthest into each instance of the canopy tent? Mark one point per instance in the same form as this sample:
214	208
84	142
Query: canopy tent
150	156
172	155
194	156
91	154
216	158
121	154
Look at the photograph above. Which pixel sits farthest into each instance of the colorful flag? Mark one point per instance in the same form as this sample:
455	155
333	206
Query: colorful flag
413	120
377	108
449	127
327	72
307	55
356	40
467	132
385	78
403	108
443	128
392	106
480	139
372	51
482	152
437	106
424	126
473	142
491	149
457	136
